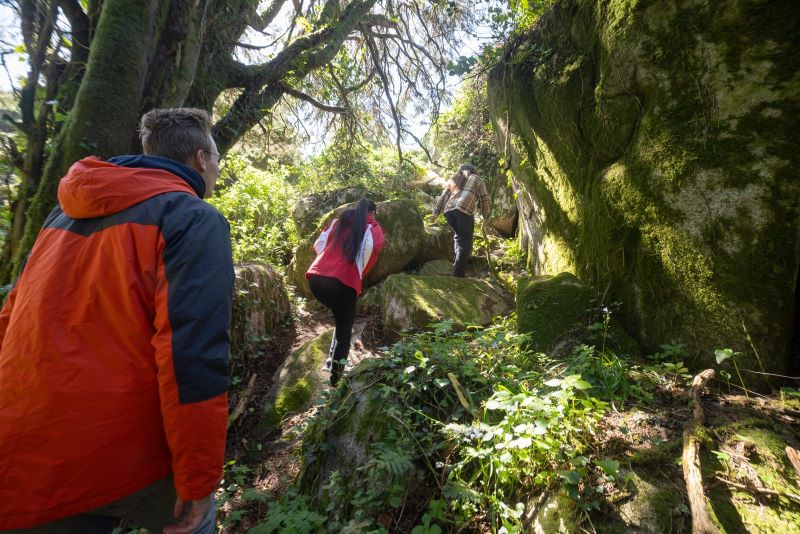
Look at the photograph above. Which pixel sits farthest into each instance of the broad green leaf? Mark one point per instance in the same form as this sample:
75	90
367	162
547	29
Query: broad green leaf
572	477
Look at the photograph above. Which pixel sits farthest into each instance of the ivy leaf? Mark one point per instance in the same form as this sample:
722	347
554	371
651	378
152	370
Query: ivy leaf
572	477
723	354
609	467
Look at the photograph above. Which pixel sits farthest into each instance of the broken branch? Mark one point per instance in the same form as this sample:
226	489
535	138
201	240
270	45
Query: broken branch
701	519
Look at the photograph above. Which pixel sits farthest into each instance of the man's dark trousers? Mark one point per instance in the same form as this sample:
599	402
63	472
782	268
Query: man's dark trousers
464	227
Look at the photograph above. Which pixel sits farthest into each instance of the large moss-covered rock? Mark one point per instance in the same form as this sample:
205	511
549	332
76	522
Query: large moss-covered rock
260	304
654	153
356	450
309	210
503	214
298	381
548	307
437	245
436	268
429	182
412	302
403	231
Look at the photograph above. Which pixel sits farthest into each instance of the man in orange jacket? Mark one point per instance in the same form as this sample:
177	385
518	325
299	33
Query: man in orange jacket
114	345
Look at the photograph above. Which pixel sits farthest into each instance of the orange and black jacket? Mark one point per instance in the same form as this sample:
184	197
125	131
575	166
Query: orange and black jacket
114	344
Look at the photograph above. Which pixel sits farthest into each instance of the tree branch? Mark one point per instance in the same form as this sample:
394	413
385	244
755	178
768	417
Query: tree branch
376	60
262	21
311	100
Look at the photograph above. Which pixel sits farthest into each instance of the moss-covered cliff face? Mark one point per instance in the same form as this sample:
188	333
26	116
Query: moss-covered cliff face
653	152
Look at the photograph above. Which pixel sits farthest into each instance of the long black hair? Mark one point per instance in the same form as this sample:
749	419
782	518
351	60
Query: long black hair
356	220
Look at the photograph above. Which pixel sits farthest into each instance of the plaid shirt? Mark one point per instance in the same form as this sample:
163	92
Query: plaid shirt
465	199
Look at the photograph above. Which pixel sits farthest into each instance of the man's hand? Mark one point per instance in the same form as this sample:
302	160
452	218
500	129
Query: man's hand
195	516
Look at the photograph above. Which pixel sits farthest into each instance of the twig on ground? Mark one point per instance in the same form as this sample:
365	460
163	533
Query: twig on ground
762	490
242	401
701	519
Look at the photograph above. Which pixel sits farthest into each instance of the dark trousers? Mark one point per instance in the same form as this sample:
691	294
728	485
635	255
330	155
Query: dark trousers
341	300
464	227
150	507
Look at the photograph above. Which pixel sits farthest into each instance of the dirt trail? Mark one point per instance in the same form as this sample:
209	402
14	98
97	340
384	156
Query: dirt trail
272	460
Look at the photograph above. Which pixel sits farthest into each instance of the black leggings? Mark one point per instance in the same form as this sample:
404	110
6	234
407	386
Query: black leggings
464	227
341	300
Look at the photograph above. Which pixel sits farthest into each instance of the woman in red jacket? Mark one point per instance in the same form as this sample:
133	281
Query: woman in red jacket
346	251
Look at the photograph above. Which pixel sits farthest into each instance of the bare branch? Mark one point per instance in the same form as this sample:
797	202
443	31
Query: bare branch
373	50
311	100
262	21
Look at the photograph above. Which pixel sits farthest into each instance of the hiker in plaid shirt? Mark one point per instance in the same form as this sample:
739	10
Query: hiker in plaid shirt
461	195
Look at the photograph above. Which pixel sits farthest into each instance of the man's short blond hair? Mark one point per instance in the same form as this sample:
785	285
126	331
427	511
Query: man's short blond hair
176	133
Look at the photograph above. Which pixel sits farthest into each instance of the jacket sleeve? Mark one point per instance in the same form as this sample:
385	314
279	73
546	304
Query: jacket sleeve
442	202
486	209
193	309
322	241
377	246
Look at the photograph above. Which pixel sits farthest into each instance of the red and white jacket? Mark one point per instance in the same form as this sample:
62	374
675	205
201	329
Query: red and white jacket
331	261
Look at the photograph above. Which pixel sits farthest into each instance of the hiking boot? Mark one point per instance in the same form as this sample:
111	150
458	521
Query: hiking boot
328	365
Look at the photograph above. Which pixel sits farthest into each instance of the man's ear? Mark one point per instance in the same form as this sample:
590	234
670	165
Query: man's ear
200	161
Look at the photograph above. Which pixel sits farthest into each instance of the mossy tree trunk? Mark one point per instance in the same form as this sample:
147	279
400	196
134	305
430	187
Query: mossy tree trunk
106	106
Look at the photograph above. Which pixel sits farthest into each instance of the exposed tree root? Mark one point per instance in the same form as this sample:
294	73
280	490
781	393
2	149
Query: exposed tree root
701	520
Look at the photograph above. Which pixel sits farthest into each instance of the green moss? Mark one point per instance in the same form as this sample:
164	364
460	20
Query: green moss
652	146
414	302
737	510
548	307
297	381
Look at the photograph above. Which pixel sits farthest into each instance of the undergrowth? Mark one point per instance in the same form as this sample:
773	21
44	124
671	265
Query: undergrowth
479	431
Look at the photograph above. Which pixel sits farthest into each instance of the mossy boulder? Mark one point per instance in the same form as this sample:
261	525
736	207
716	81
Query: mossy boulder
260	304
403	231
412	302
437	245
298	381
745	450
503	214
356	448
549	307
436	268
654	155
557	515
430	183
309	210
756	457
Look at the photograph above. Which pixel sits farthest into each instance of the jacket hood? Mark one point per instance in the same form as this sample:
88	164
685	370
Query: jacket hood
96	188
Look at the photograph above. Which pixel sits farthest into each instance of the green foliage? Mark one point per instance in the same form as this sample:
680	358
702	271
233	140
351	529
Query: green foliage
350	162
464	133
723	355
485	421
525	13
257	205
292	514
235	478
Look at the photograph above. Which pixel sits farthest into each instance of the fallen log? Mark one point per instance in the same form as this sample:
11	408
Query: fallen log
701	519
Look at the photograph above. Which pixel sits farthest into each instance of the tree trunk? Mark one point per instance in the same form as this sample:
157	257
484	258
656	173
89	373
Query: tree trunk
106	106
